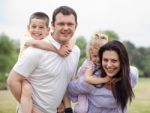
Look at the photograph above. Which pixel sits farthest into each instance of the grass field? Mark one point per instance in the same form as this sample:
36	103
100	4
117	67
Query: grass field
141	103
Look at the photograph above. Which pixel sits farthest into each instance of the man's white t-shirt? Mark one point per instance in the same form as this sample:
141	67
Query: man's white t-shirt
48	74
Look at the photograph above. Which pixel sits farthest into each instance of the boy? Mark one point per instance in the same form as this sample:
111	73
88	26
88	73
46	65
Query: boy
38	29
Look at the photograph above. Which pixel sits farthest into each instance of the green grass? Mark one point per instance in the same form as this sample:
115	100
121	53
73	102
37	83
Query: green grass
141	103
7	102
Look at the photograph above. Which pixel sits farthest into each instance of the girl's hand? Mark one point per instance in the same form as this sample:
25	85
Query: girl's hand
107	79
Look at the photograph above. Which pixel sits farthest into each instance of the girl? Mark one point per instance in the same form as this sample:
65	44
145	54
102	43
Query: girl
98	39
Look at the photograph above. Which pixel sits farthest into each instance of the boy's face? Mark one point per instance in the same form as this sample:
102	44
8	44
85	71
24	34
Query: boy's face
64	27
38	29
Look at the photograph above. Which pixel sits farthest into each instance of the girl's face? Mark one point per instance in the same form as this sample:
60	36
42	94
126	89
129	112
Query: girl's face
110	63
94	56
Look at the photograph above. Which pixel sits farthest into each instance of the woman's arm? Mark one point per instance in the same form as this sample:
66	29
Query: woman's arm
79	86
134	75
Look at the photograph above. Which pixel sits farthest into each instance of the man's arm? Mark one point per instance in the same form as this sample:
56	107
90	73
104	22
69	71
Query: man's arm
14	83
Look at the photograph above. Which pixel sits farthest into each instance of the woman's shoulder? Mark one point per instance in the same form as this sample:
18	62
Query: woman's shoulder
134	74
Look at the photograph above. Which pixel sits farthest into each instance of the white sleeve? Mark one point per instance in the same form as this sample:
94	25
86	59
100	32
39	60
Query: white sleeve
28	61
134	74
22	43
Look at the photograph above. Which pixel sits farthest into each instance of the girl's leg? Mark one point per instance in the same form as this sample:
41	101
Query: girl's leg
82	105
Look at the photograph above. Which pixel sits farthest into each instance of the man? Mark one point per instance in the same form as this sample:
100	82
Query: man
47	72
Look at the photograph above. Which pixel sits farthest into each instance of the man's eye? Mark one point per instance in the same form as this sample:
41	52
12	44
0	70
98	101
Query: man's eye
61	24
70	24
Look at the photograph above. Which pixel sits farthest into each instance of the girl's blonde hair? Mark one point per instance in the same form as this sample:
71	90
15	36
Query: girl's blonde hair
97	40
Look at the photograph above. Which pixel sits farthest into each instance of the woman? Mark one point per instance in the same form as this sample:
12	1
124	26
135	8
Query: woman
113	96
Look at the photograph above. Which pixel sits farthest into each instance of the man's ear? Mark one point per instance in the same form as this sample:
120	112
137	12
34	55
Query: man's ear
49	29
76	25
52	25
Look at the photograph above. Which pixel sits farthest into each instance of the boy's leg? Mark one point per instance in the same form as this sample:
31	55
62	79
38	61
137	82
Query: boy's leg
35	110
26	97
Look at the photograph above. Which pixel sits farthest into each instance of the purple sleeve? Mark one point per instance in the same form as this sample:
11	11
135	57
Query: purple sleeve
134	75
79	86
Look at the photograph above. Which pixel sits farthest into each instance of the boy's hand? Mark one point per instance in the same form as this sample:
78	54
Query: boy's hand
29	42
64	51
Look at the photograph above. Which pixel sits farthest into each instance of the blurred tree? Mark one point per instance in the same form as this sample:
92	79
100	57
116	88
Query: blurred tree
147	66
81	42
8	56
111	35
139	57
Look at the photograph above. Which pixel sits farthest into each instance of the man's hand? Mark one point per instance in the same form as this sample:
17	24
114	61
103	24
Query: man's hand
61	108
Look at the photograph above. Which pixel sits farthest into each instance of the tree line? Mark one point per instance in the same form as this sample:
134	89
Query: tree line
9	51
138	56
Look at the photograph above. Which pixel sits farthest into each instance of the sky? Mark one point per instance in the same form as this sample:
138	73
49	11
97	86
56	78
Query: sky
130	19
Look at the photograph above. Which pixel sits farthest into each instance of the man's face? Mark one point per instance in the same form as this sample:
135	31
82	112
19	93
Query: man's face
38	29
64	27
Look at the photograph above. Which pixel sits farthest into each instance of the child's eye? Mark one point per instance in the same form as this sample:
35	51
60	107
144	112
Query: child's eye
33	26
41	27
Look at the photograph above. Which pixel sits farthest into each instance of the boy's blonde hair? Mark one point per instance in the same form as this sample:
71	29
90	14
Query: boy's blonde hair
97	40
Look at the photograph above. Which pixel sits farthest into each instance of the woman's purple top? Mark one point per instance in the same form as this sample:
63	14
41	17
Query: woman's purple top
100	99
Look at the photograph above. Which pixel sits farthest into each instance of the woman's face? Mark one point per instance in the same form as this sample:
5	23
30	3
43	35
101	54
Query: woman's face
110	63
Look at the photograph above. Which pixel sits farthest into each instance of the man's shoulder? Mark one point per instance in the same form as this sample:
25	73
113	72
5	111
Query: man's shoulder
34	51
76	49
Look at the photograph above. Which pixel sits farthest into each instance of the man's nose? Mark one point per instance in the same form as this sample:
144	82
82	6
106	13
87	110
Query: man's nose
66	27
